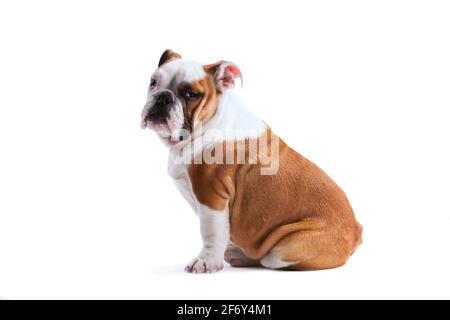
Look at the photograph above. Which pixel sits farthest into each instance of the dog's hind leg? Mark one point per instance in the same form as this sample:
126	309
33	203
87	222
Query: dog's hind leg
311	250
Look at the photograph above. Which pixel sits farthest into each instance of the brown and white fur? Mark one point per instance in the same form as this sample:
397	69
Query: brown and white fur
296	218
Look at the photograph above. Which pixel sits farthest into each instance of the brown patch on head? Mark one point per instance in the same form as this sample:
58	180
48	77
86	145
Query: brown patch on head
168	55
212	67
200	100
219	77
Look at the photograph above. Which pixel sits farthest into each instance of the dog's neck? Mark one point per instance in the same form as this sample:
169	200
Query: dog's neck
232	121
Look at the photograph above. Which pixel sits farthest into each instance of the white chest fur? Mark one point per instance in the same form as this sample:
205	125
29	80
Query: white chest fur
179	174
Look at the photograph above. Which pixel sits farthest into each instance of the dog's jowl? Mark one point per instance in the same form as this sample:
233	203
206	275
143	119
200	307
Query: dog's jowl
260	203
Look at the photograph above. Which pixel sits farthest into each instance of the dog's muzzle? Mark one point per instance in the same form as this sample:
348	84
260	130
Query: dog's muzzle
159	110
164	114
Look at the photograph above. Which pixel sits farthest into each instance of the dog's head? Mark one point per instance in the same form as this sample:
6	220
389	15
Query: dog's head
183	94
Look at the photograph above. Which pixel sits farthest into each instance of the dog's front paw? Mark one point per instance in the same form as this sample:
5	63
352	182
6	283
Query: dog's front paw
204	265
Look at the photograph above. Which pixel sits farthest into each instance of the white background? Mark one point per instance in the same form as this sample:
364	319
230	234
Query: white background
86	207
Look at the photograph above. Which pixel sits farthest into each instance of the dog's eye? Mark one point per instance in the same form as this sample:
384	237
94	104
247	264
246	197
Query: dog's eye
191	95
152	83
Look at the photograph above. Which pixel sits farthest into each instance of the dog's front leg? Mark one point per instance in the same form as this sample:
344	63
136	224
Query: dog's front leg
215	230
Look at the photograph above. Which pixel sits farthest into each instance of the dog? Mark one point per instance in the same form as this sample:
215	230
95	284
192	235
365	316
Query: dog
259	202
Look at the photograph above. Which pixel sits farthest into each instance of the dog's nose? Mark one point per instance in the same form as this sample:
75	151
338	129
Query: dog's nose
164	98
156	114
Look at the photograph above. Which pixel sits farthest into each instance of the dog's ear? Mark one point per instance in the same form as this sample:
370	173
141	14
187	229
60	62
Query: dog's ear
168	55
224	74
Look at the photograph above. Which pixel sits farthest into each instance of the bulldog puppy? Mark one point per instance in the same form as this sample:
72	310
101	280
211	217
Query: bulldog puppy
259	202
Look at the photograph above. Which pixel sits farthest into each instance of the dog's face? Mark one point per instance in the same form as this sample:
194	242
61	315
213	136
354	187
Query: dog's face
183	94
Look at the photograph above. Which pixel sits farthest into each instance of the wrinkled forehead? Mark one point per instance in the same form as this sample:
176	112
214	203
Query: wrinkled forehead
178	71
